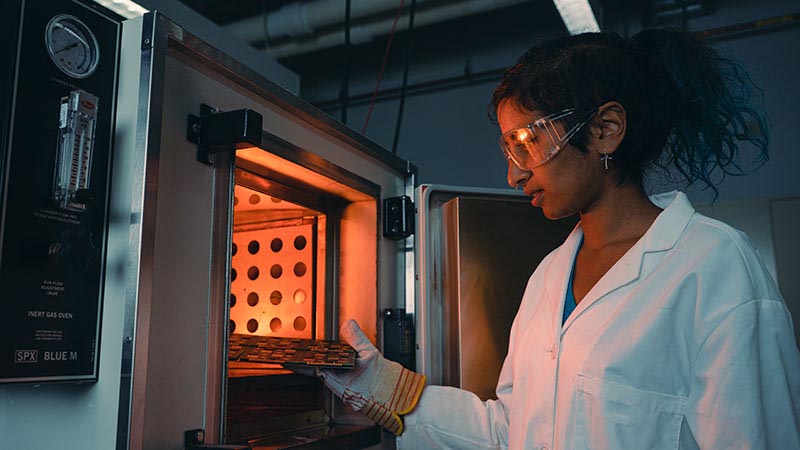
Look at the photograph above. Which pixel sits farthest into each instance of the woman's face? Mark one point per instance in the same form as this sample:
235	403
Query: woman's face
568	184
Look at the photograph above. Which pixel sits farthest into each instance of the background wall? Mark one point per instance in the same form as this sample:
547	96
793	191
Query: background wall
447	134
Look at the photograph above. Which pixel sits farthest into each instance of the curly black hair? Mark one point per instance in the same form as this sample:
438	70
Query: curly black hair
687	106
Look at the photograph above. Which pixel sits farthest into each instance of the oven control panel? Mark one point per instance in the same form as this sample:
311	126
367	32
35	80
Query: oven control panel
55	159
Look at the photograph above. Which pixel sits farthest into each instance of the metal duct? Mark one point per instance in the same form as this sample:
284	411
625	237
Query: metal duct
304	18
359	33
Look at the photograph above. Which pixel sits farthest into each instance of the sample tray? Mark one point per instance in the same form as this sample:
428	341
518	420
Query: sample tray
291	351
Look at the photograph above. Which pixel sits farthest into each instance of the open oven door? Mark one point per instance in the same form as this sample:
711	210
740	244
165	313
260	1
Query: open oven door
476	250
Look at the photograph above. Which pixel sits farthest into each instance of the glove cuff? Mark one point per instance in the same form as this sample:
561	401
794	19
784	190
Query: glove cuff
407	392
405	396
382	416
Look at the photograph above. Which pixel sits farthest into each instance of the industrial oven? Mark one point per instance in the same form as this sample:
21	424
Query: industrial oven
159	195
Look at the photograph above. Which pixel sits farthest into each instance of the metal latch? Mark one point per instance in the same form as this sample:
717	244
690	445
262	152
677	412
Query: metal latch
398	217
398	337
216	131
195	440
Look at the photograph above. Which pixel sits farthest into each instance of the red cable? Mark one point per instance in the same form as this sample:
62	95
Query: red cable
383	66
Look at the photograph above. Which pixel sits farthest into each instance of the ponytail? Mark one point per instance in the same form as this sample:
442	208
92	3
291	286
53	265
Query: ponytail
708	106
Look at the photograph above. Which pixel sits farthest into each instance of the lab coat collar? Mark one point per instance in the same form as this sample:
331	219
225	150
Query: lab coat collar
662	235
668	227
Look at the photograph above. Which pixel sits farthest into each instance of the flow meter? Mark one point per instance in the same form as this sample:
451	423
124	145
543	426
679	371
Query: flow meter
76	127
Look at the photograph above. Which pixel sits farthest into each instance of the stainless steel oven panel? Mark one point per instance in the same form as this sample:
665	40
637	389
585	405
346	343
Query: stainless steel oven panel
181	225
134	171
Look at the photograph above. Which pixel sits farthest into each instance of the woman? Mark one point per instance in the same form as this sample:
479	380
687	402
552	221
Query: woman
652	326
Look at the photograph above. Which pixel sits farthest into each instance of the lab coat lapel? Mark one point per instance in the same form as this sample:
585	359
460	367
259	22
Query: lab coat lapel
625	271
662	235
557	276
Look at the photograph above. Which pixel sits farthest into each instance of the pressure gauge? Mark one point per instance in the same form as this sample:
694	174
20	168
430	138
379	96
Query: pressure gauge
72	46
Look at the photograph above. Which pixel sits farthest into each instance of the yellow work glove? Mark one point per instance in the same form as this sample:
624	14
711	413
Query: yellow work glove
380	389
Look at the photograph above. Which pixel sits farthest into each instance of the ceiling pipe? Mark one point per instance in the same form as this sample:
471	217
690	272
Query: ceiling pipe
303	18
365	32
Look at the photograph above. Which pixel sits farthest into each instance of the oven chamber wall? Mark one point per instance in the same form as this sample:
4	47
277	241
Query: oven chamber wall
177	290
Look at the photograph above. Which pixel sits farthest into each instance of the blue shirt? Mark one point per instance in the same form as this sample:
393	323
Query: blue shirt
569	302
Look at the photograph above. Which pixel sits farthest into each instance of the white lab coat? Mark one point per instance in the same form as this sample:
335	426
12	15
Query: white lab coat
685	343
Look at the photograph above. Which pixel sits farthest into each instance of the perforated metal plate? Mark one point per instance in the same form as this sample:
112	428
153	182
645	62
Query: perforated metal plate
272	274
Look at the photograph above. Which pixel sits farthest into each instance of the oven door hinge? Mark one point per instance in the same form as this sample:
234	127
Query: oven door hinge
195	440
216	131
398	217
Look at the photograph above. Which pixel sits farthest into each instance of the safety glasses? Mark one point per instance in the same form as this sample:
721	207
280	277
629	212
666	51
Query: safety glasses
536	143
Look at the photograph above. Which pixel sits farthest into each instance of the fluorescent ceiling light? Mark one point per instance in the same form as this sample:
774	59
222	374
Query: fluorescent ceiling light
125	8
577	15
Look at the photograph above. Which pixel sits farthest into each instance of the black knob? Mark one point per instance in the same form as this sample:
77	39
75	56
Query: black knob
83	196
74	248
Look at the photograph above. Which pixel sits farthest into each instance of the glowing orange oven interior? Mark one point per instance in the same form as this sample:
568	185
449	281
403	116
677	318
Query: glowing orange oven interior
300	263
275	258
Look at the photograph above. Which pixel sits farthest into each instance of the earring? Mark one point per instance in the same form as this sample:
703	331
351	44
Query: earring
605	158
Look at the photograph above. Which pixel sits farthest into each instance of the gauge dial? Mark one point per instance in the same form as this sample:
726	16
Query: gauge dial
72	46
